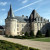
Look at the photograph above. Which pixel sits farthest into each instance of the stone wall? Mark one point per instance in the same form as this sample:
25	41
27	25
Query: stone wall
22	27
11	27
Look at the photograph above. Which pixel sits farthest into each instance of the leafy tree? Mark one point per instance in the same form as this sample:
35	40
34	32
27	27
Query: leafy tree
47	33
39	34
31	33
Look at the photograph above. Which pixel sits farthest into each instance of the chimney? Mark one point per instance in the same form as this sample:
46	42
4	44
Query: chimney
23	16
48	20
27	17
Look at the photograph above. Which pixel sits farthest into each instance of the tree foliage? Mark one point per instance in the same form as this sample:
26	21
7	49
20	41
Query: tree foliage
47	33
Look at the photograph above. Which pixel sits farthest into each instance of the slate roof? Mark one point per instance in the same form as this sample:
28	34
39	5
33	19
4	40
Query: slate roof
21	19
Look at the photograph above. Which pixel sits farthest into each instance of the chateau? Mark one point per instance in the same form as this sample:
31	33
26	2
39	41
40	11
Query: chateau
16	25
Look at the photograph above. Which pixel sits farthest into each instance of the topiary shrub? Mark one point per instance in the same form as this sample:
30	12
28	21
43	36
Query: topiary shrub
11	36
24	48
47	33
32	48
39	34
31	34
6	35
26	33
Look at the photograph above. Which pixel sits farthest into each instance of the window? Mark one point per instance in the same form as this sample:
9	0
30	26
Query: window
37	24
22	25
17	29
22	29
41	19
40	24
14	30
17	25
38	19
17	32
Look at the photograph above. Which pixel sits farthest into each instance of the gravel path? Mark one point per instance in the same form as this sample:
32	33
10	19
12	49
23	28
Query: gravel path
29	43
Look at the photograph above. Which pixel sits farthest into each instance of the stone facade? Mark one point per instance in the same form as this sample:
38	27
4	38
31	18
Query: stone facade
15	25
22	27
37	22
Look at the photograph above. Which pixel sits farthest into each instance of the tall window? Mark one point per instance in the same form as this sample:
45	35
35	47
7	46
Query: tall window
40	25
18	33
38	19
17	29
17	25
22	25
37	24
41	19
14	30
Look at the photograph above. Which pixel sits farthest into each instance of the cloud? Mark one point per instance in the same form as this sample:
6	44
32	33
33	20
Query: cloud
24	1
3	3
3	9
30	8
38	7
28	5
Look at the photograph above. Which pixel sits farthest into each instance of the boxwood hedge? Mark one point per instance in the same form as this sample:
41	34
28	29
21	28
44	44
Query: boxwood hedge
5	45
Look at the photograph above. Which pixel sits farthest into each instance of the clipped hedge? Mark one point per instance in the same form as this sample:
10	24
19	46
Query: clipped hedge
39	34
5	45
32	48
20	37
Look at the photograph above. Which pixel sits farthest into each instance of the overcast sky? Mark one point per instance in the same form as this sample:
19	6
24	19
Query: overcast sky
24	7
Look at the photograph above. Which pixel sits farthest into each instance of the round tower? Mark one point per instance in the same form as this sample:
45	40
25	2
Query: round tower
10	24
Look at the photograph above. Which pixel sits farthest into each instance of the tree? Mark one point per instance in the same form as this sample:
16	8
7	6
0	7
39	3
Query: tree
31	33
39	34
47	33
26	33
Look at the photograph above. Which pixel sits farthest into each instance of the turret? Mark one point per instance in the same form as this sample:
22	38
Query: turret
10	12
10	24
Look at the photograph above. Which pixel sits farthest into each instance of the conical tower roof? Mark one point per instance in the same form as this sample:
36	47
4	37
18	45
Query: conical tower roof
10	12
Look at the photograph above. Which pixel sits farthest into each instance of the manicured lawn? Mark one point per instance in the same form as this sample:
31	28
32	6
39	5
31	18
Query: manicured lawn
42	39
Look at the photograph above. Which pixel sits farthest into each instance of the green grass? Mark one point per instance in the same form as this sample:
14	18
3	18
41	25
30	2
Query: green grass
5	45
42	39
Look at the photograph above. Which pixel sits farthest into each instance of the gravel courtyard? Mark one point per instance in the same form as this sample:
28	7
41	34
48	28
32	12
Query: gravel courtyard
29	43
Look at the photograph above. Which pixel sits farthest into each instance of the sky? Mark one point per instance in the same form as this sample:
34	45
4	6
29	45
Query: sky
24	7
